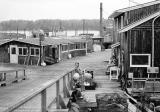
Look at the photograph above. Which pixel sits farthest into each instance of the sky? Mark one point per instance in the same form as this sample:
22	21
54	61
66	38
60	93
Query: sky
60	9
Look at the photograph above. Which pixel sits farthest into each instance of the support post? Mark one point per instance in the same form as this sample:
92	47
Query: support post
68	81
64	86
16	78
16	74
153	39
24	73
43	101
4	79
57	95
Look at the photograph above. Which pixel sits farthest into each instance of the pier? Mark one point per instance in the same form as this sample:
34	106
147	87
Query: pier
40	77
45	87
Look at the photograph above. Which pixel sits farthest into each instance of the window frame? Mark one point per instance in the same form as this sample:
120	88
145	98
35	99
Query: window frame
22	51
34	49
64	49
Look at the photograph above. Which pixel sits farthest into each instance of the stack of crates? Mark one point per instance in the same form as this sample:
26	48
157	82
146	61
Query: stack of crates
112	102
149	86
157	86
152	86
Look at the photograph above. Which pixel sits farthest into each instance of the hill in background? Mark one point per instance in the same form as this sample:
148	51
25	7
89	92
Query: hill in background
49	25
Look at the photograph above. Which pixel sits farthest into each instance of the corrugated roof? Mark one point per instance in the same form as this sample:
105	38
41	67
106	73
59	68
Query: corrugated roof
120	11
138	22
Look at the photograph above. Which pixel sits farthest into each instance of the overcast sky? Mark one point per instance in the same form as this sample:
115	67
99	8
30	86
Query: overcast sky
59	9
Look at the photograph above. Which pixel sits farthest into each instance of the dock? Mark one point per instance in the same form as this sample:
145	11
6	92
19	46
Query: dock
45	84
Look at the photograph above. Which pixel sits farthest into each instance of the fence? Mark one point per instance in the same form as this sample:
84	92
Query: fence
41	98
9	76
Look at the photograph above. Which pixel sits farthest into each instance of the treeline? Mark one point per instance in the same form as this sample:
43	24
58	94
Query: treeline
50	25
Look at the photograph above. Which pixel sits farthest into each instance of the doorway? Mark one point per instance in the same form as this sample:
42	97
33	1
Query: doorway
13	54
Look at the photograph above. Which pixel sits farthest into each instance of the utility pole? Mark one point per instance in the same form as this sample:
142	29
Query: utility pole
75	32
60	26
17	32
25	32
101	22
52	30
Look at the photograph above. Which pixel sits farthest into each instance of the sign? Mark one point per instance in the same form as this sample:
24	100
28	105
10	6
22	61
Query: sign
153	70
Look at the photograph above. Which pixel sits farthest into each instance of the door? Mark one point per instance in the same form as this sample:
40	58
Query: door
13	54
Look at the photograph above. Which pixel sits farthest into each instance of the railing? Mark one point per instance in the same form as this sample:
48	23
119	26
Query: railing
40	99
9	76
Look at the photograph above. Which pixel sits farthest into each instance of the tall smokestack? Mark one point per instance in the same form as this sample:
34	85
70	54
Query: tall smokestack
100	30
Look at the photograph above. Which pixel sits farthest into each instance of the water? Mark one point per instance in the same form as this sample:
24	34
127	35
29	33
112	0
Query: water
65	33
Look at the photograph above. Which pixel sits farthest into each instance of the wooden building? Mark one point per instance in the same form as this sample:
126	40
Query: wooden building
27	51
133	30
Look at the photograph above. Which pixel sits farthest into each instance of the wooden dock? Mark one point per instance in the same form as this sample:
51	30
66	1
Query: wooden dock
40	90
105	85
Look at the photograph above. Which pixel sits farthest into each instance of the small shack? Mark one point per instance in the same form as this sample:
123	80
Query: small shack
30	51
97	43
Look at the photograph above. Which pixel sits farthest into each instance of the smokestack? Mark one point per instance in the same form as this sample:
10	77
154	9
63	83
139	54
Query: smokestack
100	30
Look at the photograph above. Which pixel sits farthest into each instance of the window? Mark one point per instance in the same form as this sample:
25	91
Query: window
77	46
83	45
34	51
22	51
13	50
64	47
72	46
37	51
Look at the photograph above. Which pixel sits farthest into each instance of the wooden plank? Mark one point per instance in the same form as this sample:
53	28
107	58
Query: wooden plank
43	101
11	70
58	110
64	87
57	94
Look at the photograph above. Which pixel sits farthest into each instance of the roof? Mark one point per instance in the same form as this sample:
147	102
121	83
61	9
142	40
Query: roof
121	11
77	40
4	41
47	41
124	29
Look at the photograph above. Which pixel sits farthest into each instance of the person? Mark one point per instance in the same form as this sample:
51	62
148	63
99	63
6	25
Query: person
73	107
77	69
75	80
81	73
76	94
